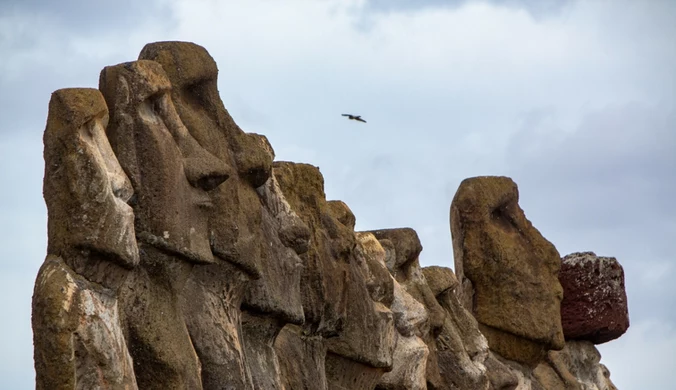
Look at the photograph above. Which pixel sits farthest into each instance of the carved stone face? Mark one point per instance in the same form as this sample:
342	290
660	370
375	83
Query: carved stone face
235	222
507	269
403	247
345	296
368	336
324	275
171	173
411	320
85	188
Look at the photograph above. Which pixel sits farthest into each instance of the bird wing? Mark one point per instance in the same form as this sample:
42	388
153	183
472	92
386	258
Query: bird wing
347	115
360	120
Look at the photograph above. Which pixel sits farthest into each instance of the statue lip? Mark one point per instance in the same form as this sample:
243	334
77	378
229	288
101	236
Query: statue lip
202	199
166	246
232	256
205	204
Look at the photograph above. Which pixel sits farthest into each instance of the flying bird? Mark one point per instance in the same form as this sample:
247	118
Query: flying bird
355	117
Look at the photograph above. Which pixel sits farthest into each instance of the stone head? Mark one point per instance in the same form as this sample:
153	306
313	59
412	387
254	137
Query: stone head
403	248
411	321
283	238
323	278
507	270
378	279
345	294
85	188
194	74
368	336
235	222
169	170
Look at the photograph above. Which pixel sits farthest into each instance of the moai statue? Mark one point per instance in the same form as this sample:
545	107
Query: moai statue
508	272
363	350
576	367
462	350
409	359
274	300
91	250
403	248
333	349
323	281
255	236
172	176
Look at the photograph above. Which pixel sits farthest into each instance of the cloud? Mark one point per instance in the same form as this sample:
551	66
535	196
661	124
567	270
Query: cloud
22	250
536	8
643	357
82	16
16	361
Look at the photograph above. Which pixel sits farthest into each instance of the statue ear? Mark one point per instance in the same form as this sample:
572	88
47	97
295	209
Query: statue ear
123	91
115	88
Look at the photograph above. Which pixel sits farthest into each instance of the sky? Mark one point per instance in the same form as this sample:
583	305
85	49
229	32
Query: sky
574	100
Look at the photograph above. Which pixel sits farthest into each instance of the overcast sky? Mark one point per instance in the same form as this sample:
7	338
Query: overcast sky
576	101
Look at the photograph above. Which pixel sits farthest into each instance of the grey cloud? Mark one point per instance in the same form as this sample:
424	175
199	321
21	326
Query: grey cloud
536	8
26	106
654	370
16	363
88	16
622	154
22	250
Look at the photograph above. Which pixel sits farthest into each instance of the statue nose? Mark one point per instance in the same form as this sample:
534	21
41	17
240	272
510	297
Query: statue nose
209	182
203	170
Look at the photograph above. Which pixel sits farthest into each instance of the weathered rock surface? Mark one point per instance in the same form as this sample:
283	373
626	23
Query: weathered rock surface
85	188
215	291
369	335
406	351
440	279
409	370
78	339
594	305
577	366
180	256
171	175
378	279
324	276
509	374
211	304
359	337
257	238
77	332
402	261
461	349
501	376
274	300
302	359
507	270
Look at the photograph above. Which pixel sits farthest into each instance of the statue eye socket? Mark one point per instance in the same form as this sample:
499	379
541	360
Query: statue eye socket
195	93
503	217
156	102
